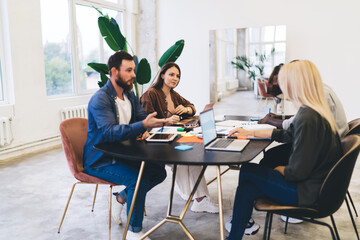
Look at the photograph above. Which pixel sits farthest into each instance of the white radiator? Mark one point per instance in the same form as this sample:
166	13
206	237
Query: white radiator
72	112
5	131
233	84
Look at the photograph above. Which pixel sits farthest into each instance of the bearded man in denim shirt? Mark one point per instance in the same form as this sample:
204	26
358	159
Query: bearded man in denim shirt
115	114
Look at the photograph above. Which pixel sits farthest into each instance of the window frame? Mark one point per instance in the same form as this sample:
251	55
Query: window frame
261	43
75	64
3	77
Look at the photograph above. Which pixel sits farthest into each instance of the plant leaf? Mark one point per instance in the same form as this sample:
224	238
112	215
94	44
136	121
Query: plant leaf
122	40
98	11
111	33
103	80
143	72
99	67
172	53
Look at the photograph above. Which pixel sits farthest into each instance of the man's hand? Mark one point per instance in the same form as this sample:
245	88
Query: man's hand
264	120
175	118
272	120
280	169
145	135
150	121
181	110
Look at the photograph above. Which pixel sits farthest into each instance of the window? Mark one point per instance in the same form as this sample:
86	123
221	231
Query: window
269	41
2	63
226	40
71	39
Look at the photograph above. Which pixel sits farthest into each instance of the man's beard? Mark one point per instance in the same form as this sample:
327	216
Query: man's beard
121	83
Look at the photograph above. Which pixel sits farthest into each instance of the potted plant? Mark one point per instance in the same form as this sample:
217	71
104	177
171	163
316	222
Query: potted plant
111	33
253	70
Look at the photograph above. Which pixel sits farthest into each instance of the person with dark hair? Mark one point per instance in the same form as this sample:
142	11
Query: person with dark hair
115	114
272	85
163	99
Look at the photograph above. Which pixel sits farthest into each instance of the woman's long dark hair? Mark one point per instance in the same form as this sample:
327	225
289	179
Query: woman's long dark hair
275	72
160	81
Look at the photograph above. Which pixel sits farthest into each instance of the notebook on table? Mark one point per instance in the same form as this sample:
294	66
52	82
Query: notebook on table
211	141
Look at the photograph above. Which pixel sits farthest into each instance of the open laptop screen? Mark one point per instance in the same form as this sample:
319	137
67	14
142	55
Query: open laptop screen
208	127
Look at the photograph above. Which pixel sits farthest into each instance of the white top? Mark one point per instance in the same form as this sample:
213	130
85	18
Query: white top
124	109
336	108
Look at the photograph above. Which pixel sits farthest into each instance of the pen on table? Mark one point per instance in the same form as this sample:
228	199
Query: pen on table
162	128
269	111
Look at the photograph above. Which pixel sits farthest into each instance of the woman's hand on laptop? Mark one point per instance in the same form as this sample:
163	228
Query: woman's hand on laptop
239	132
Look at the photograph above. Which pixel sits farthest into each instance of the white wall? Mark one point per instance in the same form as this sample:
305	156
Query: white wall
325	32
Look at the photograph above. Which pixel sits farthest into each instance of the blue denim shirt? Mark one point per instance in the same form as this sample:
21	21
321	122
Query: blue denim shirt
104	123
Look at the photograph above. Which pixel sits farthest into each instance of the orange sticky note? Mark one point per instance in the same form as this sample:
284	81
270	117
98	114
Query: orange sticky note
242	137
192	139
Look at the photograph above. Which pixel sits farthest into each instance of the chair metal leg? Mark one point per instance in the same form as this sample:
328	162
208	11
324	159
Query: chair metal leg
67	204
93	205
334	226
110	198
270	225
266	225
348	193
286	224
352	219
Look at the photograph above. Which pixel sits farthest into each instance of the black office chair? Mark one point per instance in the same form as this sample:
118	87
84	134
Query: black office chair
332	193
354	128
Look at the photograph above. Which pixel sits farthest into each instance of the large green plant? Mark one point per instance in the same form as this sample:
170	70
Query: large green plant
111	33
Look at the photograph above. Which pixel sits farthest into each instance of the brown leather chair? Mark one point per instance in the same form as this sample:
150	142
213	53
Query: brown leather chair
73	135
264	94
332	193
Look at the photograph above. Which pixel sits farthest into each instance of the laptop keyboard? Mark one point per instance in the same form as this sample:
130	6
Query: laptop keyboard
222	143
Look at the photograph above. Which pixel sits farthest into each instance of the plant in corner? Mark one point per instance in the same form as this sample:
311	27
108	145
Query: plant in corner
252	69
111	33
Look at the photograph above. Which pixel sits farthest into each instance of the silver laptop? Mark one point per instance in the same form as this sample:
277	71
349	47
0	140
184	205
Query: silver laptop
211	142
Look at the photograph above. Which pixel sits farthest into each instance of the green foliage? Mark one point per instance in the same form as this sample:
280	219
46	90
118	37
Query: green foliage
101	68
172	53
143	72
57	70
58	76
111	33
243	63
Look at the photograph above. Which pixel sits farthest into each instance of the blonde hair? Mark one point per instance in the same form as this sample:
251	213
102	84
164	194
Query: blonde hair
301	83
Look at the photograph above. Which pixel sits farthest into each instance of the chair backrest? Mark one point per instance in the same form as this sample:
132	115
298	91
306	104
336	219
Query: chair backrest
335	186
354	127
73	135
261	88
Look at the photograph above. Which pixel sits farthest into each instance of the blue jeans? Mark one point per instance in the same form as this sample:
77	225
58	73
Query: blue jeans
257	181
126	173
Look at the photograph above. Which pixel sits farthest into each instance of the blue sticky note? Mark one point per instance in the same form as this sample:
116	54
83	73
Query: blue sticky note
183	147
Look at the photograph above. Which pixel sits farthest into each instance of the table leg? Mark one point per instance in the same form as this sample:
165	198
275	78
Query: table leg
134	199
177	219
221	216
